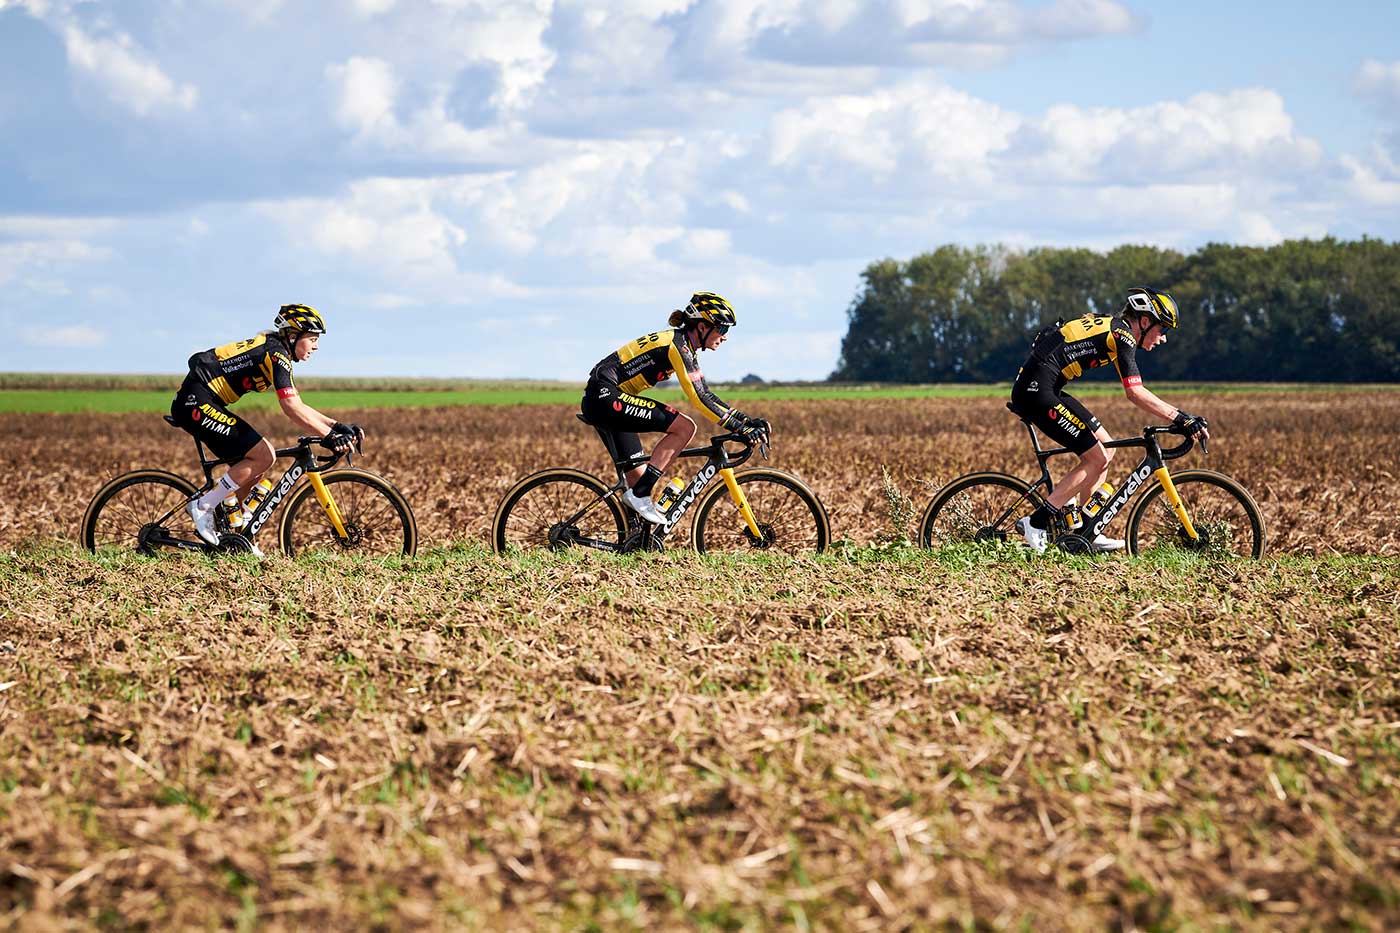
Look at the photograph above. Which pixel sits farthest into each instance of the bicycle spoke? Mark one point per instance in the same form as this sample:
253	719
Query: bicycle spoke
789	520
544	512
375	521
980	507
1226	522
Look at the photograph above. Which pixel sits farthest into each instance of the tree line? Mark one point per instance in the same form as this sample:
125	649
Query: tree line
1302	311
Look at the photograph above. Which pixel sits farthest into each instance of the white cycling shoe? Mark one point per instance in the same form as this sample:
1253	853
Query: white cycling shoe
204	523
644	507
1035	537
1103	543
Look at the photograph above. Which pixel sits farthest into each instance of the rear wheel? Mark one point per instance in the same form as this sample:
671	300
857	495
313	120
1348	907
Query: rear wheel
377	518
558	509
1228	522
790	517
978	507
135	510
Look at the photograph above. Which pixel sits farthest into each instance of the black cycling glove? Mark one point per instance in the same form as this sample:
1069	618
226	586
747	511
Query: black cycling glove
1192	425
351	432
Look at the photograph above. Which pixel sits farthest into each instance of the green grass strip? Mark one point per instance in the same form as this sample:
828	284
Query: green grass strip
328	394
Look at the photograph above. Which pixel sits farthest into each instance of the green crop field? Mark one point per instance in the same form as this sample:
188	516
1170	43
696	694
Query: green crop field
52	394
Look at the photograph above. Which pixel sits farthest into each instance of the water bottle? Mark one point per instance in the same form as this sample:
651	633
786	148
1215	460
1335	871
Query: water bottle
1098	498
232	513
255	497
1070	510
670	494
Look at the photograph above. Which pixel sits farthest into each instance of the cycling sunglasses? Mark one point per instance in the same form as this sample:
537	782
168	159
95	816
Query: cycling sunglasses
720	328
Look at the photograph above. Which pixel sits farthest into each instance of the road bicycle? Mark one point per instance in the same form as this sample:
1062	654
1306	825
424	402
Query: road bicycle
1193	510
345	509
562	508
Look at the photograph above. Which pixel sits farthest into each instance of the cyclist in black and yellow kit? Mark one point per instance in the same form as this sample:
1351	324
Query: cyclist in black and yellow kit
611	402
1062	352
220	376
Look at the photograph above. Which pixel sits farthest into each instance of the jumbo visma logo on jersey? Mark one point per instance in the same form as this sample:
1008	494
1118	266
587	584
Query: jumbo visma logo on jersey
634	406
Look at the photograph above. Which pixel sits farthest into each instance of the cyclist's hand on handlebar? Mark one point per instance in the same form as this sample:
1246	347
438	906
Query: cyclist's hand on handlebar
344	436
757	428
1193	426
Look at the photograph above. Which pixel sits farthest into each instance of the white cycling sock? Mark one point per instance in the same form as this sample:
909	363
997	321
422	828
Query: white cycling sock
216	495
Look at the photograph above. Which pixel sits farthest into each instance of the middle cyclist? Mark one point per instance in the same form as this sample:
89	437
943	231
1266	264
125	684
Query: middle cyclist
611	404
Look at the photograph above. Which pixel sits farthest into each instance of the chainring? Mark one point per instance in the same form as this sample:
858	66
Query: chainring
1072	543
235	544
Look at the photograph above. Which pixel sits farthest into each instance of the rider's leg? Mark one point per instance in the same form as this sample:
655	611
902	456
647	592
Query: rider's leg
680	433
241	476
251	469
1091	470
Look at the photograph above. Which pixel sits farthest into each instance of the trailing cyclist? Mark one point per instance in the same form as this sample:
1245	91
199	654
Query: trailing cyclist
1062	352
220	376
611	403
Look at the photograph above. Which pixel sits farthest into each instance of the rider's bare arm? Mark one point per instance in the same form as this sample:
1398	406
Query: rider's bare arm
303	414
1145	399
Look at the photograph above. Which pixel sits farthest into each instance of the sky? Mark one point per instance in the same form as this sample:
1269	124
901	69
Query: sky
513	189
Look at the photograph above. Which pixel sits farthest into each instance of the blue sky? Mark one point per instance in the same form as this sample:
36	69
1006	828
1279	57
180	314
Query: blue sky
511	189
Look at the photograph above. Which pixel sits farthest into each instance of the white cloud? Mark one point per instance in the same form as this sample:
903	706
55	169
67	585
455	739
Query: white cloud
71	337
907	132
1380	81
37	252
365	92
1377	185
1206	134
125	74
369	8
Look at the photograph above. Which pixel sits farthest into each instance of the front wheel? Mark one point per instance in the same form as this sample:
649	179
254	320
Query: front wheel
791	519
978	507
558	509
377	518
1228	523
137	511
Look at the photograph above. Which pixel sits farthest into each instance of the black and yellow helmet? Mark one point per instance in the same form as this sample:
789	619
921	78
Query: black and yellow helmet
303	319
711	308
1159	306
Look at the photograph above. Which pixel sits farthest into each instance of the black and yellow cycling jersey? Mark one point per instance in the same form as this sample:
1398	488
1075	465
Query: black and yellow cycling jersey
641	364
1086	343
253	365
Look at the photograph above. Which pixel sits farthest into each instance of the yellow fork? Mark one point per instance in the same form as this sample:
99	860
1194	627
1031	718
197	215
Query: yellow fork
741	501
323	496
1174	498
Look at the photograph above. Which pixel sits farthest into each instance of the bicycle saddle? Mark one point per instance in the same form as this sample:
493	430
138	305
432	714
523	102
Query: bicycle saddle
1015	411
170	421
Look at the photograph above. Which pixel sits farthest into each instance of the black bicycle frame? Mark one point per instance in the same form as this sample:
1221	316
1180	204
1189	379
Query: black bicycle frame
1153	463
720	462
305	463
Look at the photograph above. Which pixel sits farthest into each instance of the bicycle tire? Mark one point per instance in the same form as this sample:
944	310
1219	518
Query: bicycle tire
532	513
124	507
792	520
377	517
967	509
1228	520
